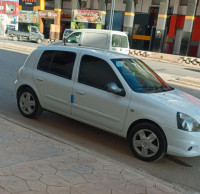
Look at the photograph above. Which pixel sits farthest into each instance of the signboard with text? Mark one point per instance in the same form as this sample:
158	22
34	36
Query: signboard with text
27	16
28	2
88	16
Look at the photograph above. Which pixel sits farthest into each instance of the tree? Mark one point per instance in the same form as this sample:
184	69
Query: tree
79	26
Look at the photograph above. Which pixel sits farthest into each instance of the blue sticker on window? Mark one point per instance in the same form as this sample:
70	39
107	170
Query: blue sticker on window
119	64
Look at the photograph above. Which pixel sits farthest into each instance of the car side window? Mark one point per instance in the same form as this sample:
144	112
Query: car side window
60	63
45	60
96	72
74	38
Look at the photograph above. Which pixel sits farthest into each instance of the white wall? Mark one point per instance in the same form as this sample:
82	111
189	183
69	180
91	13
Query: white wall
175	5
182	10
198	10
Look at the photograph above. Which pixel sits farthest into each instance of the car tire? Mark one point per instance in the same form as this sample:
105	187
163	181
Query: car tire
15	38
28	103
147	141
39	41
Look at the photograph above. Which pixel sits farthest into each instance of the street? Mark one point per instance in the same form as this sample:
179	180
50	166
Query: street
178	170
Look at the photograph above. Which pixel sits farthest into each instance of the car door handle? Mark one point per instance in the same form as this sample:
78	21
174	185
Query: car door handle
40	79
80	92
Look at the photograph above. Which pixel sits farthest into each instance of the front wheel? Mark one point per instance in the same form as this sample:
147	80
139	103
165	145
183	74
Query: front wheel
147	142
28	103
39	41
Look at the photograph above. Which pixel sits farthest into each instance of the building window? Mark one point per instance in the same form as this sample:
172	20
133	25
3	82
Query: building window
9	8
183	2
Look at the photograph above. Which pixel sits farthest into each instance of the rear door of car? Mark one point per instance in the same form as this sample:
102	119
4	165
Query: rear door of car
53	78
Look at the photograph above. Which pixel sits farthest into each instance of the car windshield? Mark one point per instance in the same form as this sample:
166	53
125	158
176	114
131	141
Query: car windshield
139	76
67	32
119	41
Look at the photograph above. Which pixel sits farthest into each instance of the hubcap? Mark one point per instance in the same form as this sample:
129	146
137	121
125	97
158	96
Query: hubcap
27	103
145	143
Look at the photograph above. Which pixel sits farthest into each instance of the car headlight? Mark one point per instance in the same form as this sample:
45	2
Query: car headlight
187	123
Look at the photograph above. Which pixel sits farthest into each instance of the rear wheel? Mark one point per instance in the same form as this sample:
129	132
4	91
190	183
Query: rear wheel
15	38
147	142
28	103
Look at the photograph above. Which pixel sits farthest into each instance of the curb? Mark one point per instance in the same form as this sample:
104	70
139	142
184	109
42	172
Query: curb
192	61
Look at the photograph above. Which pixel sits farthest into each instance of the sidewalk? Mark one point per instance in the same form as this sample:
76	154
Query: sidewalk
31	163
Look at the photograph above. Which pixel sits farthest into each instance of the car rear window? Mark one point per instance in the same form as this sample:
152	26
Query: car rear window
119	41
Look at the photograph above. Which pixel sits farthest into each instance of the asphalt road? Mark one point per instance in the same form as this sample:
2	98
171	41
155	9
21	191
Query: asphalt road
178	170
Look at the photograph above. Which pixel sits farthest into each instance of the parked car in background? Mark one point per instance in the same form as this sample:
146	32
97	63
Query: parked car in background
114	92
103	39
32	35
66	33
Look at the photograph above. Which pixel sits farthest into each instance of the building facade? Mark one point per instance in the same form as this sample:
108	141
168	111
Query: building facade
168	26
8	15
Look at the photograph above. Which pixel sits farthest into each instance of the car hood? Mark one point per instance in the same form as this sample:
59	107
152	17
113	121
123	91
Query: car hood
180	102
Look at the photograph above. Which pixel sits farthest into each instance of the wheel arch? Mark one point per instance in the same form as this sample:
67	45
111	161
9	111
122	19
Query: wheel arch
22	87
146	121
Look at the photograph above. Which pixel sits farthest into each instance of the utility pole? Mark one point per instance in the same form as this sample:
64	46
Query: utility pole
112	12
1	20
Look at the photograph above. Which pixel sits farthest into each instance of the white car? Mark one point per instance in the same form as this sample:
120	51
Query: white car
112	91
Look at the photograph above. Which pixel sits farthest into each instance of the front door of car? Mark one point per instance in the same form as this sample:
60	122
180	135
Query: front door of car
73	39
53	79
92	103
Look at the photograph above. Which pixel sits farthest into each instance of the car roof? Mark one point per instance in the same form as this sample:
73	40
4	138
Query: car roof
100	30
88	50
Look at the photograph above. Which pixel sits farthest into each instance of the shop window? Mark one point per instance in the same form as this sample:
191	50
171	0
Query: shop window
9	8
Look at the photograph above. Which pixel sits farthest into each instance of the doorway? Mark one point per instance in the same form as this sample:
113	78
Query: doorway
47	25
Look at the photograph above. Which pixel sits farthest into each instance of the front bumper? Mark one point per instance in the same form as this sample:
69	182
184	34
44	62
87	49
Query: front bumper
182	143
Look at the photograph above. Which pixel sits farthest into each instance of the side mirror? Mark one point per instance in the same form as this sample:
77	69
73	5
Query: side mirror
113	88
64	41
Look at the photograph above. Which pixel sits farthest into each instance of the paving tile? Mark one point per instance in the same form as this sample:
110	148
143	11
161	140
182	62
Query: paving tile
3	191
113	168
131	175
71	176
43	169
58	190
5	171
109	177
13	184
90	188
136	189
144	182
54	180
36	186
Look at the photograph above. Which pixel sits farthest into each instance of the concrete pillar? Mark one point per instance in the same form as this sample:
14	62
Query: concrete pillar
76	4
102	7
160	27
188	26
56	29
129	19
